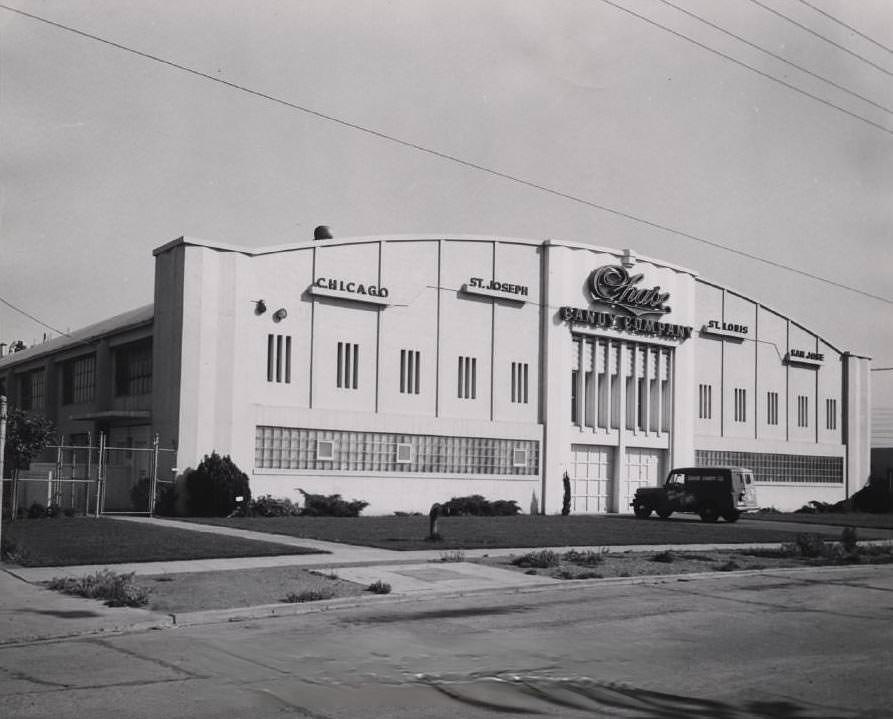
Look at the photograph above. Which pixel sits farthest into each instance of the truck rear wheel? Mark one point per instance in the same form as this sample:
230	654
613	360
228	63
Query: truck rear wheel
641	511
708	513
664	512
731	516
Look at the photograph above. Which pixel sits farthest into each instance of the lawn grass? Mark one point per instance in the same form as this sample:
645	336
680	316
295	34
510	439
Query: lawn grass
86	540
409	533
847	519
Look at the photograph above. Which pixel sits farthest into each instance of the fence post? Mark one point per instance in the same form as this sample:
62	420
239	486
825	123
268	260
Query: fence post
89	473
154	483
2	452
100	472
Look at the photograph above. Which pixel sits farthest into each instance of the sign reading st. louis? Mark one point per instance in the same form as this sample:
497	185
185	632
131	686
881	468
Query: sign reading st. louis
613	286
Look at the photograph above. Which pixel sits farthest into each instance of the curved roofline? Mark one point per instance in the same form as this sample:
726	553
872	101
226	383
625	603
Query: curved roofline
273	249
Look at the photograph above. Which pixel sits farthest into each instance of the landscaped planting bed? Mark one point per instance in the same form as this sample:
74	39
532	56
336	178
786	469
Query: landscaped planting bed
843	519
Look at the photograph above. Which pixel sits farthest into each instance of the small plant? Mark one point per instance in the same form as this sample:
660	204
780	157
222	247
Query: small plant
37	511
455	556
314	594
327	573
576	573
379	587
542	559
849	540
116	590
729	566
665	557
477	506
805	545
566	497
269	506
587	558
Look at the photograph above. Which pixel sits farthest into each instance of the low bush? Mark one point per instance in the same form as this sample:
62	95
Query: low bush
576	573
116	590
728	566
806	545
542	559
477	506
332	505
310	595
455	556
379	587
165	497
665	557
37	511
587	558
269	506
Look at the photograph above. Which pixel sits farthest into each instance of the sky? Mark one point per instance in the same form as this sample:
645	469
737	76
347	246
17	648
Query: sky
105	155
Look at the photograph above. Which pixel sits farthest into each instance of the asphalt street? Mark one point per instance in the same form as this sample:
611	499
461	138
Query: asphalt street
795	643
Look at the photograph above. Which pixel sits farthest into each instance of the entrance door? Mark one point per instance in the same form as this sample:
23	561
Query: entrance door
644	468
592	473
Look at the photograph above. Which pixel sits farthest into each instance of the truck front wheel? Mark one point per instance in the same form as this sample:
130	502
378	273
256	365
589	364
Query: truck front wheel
708	513
641	511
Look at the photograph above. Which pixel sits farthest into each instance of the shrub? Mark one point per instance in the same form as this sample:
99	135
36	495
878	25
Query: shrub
117	590
542	559
729	566
477	506
37	511
576	573
455	556
379	587
587	558
332	505
269	506
213	486
566	497
806	545
665	557
849	540
314	594
165	497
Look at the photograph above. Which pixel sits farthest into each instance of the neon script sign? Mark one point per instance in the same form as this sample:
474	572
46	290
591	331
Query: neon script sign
615	286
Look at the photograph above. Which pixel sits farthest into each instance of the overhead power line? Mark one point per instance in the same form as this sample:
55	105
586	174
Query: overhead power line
32	317
455	159
848	27
778	57
766	75
822	37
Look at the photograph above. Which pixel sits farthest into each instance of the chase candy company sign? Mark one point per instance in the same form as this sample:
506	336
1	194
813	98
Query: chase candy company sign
612	285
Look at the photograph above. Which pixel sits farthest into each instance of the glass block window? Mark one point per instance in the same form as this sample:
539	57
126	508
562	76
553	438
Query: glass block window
802	410
740	405
830	413
410	371
778	468
519	382
279	358
33	389
133	369
348	365
78	380
772	408
299	448
705	401
468	378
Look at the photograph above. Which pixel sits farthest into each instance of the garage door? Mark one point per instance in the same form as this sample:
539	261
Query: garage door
644	468
592	472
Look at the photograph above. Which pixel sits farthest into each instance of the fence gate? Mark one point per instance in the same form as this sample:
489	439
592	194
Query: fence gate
94	476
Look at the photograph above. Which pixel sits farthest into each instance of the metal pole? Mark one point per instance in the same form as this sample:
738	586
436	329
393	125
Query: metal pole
2	452
100	472
154	483
89	473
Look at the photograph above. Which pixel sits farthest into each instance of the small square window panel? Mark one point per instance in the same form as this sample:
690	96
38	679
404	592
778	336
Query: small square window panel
519	458
404	453
325	450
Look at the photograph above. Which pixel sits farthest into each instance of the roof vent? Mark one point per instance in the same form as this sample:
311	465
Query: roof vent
322	233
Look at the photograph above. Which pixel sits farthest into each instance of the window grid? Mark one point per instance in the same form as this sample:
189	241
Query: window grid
705	401
410	371
348	365
740	404
772	408
802	410
133	369
830	413
777	468
519	382
33	389
467	384
296	448
79	380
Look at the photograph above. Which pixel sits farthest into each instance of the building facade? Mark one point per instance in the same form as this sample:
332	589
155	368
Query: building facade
407	370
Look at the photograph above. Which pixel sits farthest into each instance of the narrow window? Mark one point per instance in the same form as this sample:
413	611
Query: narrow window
831	414
802	411
288	358
410	365
467	385
705	401
574	396
279	358
519	382
271	357
740	404
348	368
772	408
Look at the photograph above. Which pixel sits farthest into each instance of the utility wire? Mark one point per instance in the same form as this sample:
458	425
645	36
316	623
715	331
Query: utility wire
848	27
778	57
822	37
745	65
467	163
32	317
